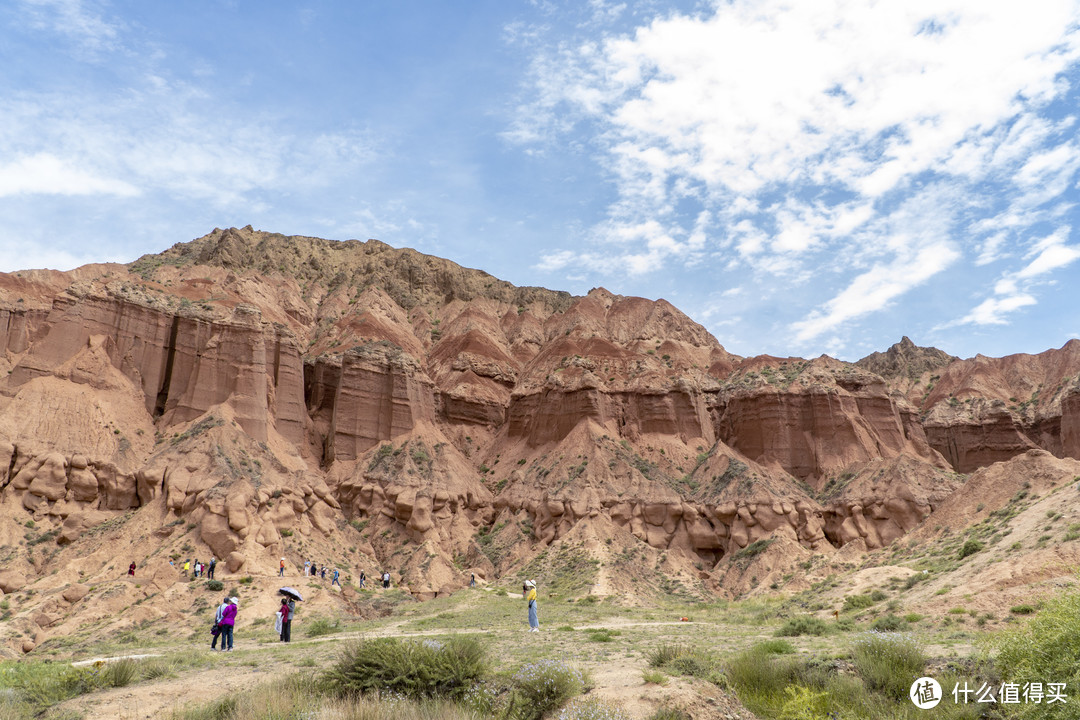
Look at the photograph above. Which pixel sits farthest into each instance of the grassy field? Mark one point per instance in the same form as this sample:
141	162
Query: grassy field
771	657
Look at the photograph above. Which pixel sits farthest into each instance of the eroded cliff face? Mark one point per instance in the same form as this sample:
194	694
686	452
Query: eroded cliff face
253	396
980	411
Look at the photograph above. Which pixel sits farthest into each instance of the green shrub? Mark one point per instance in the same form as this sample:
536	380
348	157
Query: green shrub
857	602
970	547
889	662
425	668
653	677
321	626
121	673
776	647
759	679
889	623
666	712
754	549
1042	649
154	668
1022	610
806	625
592	708
215	585
602	635
545	685
682	660
665	653
696	665
878	595
487	699
845	624
802	703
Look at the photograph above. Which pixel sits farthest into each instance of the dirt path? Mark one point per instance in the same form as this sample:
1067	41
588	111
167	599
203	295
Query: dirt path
157	699
616	678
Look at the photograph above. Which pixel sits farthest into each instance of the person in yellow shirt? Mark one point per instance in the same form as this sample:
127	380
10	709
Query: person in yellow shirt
529	593
187	566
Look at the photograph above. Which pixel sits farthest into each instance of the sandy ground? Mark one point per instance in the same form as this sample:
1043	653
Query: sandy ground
157	699
617	678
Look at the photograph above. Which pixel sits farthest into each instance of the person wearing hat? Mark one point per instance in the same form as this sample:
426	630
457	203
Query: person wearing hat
228	620
529	593
217	624
281	569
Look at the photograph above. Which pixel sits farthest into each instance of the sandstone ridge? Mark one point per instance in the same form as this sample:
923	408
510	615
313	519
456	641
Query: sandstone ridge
253	396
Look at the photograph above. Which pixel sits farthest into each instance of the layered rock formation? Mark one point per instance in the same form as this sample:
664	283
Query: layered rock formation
252	396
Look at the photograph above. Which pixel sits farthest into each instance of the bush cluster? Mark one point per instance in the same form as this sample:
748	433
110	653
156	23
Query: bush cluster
545	685
681	659
428	668
889	662
1043	647
806	625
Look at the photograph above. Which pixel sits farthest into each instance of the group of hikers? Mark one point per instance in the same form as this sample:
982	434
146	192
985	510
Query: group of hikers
312	569
201	569
225	615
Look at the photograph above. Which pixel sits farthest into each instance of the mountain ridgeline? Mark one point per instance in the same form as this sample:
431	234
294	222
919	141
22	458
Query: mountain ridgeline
254	396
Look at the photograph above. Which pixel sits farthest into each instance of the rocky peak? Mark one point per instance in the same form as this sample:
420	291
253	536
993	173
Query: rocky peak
905	359
411	278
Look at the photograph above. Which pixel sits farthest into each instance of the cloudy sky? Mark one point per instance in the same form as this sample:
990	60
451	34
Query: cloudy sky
801	178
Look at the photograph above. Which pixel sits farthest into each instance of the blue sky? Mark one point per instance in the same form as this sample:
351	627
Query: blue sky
801	178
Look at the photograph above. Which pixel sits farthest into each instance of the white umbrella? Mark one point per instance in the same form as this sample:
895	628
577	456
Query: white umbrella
291	592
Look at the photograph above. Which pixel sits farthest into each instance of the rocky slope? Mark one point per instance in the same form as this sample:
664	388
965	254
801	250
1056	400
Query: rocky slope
253	396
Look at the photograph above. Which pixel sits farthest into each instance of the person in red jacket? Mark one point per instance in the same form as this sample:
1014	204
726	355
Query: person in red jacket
286	620
228	619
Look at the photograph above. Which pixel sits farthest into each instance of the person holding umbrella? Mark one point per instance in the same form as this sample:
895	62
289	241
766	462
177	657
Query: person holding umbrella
286	613
289	598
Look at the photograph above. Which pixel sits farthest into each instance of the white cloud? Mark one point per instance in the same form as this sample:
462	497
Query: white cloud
1015	290
876	288
803	129
81	21
991	249
47	174
1052	253
992	311
162	141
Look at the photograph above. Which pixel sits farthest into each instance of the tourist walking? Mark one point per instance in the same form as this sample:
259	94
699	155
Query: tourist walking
210	569
131	569
335	581
228	620
281	569
385	579
529	593
363	579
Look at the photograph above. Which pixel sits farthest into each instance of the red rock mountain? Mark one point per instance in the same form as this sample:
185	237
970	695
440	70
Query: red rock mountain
253	396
